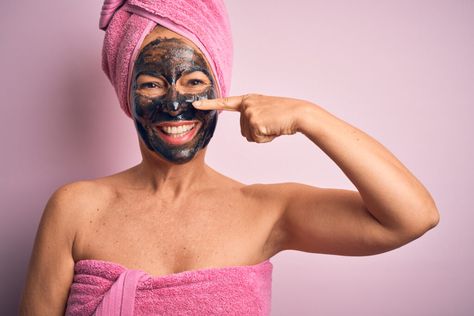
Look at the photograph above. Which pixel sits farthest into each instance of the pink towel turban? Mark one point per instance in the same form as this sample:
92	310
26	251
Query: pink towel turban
127	22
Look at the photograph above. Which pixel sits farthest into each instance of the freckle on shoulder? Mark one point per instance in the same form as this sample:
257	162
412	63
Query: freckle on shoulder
82	195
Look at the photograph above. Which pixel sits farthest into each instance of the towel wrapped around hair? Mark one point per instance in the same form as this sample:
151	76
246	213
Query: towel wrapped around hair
127	22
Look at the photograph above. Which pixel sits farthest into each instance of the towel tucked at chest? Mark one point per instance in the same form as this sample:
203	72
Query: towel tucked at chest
106	288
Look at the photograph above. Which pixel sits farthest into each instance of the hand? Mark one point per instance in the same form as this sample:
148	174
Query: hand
262	118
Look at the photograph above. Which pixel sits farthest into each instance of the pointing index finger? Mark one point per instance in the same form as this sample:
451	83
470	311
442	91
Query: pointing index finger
227	104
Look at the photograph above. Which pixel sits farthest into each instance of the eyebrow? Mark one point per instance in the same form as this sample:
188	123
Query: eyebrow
194	69
151	73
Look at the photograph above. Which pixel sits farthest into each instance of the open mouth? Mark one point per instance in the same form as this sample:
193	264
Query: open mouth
177	133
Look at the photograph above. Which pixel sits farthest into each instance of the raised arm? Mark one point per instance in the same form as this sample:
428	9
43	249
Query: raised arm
390	208
50	271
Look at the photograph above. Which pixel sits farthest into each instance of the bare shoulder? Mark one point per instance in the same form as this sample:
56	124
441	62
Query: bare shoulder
73	199
72	205
277	198
287	194
271	201
68	207
291	206
277	193
85	191
50	271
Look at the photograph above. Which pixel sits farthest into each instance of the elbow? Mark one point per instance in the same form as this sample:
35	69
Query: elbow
434	218
430	215
410	228
425	215
426	220
415	227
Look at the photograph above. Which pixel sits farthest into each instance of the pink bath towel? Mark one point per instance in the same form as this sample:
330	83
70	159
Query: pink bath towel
106	288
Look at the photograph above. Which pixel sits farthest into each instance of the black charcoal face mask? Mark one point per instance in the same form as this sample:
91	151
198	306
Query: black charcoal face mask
168	76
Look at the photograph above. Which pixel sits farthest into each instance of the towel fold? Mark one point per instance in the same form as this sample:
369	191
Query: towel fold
106	288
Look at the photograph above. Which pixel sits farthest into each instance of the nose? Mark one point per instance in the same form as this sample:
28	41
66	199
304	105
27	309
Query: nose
171	104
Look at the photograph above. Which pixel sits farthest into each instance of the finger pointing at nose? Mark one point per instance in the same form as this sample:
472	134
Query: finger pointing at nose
227	104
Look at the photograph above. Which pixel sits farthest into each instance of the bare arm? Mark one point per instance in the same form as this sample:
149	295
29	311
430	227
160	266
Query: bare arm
336	221
50	271
390	208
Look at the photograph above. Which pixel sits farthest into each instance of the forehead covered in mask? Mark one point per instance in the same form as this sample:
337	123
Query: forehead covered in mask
168	75
170	58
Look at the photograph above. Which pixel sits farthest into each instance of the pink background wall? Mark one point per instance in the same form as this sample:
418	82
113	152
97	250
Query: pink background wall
403	71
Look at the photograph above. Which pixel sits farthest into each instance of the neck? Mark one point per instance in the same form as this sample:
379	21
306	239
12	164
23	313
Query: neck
169	179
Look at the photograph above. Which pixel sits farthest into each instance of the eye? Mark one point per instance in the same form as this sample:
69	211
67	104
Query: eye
195	82
150	82
150	85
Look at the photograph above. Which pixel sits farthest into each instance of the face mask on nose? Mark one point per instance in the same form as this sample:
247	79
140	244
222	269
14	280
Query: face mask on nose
176	102
168	76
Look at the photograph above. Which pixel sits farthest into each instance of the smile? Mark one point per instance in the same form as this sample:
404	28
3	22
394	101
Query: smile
177	133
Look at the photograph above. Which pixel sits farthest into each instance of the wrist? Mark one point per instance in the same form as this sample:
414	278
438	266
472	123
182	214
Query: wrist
308	118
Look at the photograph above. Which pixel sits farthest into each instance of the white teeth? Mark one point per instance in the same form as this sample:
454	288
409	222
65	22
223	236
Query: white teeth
177	130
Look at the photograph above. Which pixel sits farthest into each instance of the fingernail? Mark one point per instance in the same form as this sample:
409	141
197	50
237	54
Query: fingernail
197	103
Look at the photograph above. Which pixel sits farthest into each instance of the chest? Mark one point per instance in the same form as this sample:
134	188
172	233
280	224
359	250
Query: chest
162	237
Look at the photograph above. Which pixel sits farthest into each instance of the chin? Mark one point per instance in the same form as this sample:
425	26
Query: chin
175	156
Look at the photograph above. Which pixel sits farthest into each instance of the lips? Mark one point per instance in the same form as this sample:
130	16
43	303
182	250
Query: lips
177	133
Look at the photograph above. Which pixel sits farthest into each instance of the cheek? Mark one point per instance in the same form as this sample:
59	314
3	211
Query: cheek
211	93
206	116
141	105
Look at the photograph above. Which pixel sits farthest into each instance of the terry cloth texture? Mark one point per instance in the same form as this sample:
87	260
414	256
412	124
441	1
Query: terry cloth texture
107	288
127	22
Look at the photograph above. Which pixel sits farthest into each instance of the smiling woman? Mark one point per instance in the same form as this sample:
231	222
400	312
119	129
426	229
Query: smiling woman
173	236
169	74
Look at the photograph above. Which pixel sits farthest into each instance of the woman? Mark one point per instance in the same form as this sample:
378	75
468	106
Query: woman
171	235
